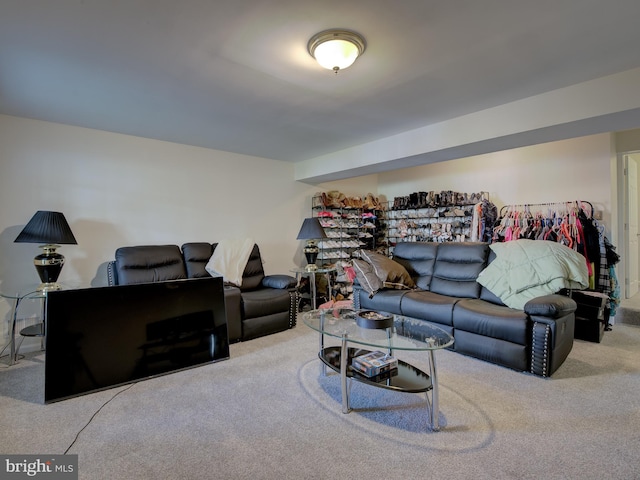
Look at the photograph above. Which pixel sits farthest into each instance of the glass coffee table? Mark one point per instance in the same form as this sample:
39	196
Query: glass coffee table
405	334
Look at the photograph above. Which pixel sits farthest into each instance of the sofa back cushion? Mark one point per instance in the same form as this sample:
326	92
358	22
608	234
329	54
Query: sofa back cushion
253	273
149	263
486	294
457	267
418	258
197	255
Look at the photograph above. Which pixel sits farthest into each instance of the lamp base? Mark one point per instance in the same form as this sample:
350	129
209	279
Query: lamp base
311	253
49	265
48	287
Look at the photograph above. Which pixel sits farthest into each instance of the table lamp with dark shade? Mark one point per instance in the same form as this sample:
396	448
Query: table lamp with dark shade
50	229
311	231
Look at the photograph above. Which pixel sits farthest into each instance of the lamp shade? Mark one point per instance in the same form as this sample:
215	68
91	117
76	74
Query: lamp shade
47	227
311	230
50	229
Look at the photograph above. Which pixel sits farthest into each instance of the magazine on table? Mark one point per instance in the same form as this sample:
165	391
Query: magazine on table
374	363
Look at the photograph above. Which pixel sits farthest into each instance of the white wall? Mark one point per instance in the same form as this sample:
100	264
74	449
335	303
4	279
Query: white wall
628	140
118	190
600	105
576	169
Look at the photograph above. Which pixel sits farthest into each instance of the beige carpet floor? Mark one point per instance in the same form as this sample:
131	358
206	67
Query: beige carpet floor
267	413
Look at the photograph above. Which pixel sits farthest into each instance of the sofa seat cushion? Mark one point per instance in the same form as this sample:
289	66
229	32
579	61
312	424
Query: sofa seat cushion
266	301
420	329
494	350
429	306
490	320
384	300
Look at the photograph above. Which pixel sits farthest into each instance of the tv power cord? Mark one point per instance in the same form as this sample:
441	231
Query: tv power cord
94	415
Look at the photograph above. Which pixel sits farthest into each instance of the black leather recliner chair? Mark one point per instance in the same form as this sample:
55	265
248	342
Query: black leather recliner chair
262	305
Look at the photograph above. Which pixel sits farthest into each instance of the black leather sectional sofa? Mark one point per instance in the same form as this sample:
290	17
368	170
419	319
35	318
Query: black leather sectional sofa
537	339
262	305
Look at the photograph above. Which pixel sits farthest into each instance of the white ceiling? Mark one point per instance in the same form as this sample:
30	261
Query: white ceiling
234	75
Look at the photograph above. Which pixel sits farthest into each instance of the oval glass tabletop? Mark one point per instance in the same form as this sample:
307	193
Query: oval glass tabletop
405	334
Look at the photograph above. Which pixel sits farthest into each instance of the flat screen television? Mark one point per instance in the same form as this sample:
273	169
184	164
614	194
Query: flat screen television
98	338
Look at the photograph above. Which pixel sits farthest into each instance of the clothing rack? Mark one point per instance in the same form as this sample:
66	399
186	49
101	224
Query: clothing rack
556	221
559	207
572	224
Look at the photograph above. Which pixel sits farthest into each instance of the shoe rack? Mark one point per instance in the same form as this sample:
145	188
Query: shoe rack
432	217
351	223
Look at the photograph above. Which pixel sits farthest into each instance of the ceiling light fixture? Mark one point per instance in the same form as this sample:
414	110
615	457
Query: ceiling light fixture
336	49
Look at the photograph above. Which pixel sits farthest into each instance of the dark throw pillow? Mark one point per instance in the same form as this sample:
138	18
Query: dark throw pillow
375	271
366	277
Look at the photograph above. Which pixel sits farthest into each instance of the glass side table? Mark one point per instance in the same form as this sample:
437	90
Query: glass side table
17	296
302	272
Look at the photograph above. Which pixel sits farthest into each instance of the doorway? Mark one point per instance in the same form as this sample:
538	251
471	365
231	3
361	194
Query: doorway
630	223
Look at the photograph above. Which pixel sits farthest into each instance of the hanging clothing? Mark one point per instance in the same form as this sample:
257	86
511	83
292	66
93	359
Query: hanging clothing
484	218
614	296
571	224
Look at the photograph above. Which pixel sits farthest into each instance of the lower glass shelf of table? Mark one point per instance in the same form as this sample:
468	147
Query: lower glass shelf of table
406	378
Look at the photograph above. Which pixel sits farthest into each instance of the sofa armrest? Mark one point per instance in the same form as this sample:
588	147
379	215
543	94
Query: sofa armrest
552	328
552	306
282	282
112	274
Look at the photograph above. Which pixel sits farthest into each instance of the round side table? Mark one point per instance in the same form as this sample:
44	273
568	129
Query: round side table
302	272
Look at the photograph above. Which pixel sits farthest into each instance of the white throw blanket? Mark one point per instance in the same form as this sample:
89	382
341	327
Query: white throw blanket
229	259
525	269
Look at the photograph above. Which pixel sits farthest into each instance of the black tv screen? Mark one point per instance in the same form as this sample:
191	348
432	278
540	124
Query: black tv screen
98	338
